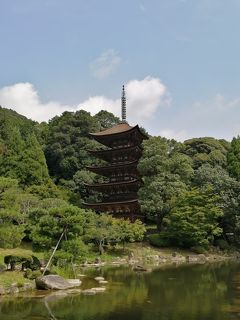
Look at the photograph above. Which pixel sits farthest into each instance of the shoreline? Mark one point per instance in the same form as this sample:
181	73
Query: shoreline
138	265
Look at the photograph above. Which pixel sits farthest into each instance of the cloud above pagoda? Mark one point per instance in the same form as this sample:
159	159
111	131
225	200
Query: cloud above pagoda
106	64
144	97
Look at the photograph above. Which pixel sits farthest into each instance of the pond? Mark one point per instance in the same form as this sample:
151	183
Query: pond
187	292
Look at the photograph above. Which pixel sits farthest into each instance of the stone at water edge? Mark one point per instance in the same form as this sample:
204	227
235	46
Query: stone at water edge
99	278
140	268
89	292
54	282
2	291
103	282
99	289
75	282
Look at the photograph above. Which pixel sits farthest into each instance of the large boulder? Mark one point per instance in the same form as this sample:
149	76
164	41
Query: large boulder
55	282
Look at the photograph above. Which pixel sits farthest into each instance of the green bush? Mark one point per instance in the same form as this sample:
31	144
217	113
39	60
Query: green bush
31	275
13	260
159	240
222	244
198	249
33	264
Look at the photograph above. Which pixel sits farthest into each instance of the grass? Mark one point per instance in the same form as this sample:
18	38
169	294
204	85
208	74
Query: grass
9	277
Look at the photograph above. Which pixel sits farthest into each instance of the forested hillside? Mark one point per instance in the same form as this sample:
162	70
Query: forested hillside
191	190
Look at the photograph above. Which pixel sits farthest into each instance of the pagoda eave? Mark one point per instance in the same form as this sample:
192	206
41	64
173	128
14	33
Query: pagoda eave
129	206
122	130
115	184
113	166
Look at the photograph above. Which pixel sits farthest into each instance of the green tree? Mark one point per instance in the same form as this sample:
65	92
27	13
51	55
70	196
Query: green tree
207	150
228	189
13	210
194	221
100	229
165	173
68	143
233	158
48	224
106	119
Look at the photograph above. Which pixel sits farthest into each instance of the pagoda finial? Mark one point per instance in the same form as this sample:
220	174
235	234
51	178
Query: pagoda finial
123	105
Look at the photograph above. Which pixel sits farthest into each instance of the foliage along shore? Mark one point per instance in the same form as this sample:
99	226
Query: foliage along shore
140	257
190	197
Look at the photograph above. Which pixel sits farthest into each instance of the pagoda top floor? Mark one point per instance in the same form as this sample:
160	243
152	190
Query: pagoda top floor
120	136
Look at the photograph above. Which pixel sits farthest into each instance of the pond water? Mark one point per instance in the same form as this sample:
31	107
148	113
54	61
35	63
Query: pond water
200	292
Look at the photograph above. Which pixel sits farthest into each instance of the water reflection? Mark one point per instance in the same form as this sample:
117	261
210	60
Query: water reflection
187	292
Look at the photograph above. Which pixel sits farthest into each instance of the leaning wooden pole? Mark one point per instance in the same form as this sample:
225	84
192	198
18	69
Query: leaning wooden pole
55	249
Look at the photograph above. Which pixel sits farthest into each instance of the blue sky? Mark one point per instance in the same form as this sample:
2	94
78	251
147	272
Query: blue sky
179	60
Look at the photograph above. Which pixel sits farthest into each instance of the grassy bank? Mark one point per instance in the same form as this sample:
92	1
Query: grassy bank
136	253
9	277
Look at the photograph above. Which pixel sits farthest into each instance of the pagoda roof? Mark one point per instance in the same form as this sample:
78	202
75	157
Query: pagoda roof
113	184
115	203
117	130
110	150
112	166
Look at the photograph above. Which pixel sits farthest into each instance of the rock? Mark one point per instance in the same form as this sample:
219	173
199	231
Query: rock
174	254
54	282
2	291
99	278
198	258
202	257
102	282
162	259
98	260
75	282
178	258
13	288
2	268
99	289
28	286
89	292
139	268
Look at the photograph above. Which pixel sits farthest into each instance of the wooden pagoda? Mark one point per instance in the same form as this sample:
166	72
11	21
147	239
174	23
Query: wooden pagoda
119	193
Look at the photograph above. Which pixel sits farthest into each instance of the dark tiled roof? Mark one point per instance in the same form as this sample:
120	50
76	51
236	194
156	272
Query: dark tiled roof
122	127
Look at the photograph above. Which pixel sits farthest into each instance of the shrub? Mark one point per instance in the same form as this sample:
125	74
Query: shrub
198	249
159	240
222	244
31	275
33	264
13	260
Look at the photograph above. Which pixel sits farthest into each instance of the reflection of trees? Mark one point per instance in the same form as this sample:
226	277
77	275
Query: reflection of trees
123	293
186	292
16	308
191	293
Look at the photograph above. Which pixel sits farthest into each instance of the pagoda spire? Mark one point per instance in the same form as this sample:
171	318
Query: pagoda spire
123	105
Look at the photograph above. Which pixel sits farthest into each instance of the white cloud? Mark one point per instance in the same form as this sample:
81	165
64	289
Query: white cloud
217	117
106	64
24	98
144	98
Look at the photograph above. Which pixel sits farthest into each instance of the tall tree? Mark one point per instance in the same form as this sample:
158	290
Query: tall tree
68	143
165	173
233	158
194	219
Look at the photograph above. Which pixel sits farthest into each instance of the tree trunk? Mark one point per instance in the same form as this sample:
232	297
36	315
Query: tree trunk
159	221
101	249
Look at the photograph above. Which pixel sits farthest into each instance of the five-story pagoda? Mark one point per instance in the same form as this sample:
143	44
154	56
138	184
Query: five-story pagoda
123	152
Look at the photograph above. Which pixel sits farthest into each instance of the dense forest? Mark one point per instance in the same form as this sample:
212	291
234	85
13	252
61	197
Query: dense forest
191	190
